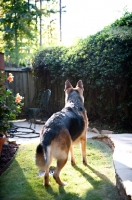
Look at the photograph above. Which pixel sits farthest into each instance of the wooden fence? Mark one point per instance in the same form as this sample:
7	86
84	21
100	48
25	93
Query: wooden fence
23	84
27	86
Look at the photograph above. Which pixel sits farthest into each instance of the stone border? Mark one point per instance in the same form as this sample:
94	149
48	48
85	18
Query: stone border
119	184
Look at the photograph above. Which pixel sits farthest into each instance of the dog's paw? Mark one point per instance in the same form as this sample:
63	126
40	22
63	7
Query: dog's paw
73	163
85	162
63	183
57	179
46	184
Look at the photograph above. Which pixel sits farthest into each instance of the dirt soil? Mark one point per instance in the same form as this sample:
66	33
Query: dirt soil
7	155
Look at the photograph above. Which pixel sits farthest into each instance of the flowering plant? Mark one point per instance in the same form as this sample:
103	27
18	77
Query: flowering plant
10	105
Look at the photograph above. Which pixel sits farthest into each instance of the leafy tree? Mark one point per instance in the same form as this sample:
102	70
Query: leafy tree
19	24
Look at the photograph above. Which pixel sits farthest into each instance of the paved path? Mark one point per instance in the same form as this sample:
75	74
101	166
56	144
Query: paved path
122	157
23	123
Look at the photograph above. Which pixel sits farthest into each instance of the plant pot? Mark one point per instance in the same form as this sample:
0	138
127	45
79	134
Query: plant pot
2	141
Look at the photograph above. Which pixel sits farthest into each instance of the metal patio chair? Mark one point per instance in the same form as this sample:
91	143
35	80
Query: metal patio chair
42	110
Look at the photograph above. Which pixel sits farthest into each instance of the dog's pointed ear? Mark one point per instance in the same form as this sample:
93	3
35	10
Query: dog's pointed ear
67	85
80	84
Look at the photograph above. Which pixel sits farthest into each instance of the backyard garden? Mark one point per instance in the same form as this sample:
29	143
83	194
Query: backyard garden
104	63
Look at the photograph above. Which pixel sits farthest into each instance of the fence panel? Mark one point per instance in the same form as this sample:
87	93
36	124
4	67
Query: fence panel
23	84
27	86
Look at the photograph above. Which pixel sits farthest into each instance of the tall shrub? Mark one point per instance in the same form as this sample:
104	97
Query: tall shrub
103	61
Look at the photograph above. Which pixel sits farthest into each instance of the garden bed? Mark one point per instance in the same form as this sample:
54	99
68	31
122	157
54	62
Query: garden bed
8	152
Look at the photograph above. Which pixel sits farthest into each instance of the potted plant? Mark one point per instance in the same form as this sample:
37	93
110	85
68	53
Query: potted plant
10	106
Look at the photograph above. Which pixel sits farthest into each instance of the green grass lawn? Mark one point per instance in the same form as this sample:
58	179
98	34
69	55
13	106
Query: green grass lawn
93	182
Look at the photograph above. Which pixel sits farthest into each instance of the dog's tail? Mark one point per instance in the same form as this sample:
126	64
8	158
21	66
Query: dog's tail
41	157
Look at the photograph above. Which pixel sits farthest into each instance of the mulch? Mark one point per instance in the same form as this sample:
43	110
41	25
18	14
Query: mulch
7	155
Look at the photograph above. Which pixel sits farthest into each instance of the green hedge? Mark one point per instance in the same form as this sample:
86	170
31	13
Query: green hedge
104	63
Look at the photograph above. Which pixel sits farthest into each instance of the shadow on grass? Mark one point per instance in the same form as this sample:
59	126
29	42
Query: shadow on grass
108	187
102	189
14	185
90	178
63	194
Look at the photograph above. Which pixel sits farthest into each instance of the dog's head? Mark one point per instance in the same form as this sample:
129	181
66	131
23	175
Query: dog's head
74	93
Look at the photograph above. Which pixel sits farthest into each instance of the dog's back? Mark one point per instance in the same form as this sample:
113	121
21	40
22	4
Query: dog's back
63	129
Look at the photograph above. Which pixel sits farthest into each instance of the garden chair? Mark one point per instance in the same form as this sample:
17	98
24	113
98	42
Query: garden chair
42	111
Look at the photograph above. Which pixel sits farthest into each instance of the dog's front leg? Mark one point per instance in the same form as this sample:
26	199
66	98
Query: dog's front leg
72	156
83	148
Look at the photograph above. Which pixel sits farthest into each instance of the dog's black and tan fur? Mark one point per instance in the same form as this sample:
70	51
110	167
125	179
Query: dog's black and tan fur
62	130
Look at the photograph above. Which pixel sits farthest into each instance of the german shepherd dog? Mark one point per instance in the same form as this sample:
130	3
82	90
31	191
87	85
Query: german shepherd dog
61	131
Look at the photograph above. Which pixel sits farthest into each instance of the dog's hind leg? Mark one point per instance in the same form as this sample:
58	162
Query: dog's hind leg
72	156
46	177
60	149
83	148
60	164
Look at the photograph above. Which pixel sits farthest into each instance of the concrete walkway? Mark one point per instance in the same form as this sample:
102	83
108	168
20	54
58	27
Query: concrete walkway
122	156
31	137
